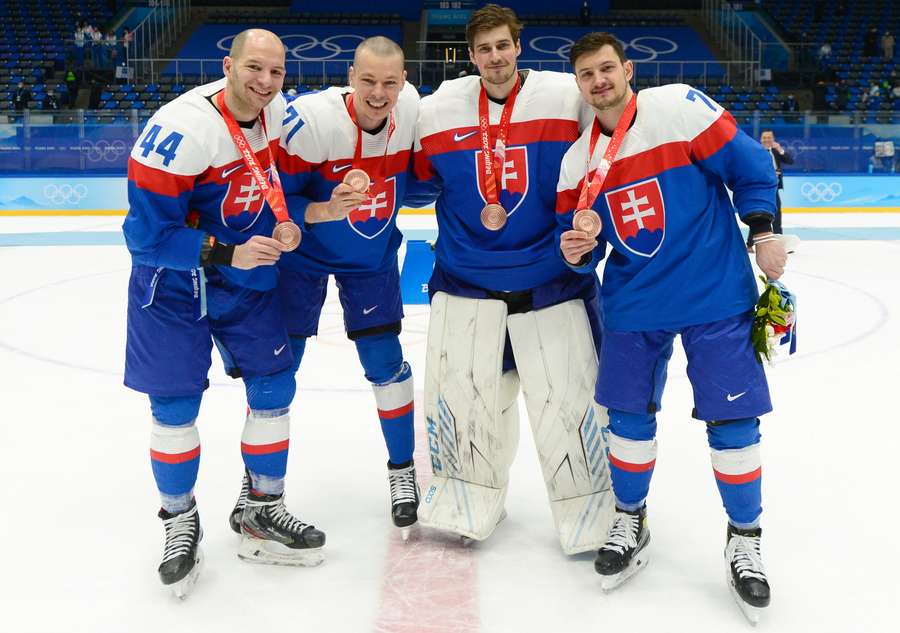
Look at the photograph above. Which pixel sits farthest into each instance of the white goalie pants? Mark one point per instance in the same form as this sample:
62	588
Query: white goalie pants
473	424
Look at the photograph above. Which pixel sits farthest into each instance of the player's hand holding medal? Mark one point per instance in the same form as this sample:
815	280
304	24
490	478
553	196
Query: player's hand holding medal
586	222
775	321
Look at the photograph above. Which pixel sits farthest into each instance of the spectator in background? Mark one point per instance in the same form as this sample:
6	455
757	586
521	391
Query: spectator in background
585	13
127	38
79	43
870	42
21	97
790	104
71	86
97	46
51	101
887	45
824	56
779	156
110	53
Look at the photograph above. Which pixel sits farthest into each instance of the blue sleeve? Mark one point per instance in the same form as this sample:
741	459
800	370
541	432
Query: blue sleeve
155	230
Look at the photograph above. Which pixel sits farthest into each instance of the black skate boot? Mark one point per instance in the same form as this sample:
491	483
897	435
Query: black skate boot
404	496
745	572
182	556
234	519
272	535
624	553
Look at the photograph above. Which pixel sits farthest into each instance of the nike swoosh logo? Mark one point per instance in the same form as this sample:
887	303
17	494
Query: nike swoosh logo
461	137
338	168
731	398
367	310
280	349
227	172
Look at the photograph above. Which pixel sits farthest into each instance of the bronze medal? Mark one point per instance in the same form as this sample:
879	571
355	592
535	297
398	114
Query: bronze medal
288	234
493	217
358	179
587	221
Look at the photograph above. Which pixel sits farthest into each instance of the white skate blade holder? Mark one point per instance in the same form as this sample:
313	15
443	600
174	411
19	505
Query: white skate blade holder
750	612
640	560
265	552
183	587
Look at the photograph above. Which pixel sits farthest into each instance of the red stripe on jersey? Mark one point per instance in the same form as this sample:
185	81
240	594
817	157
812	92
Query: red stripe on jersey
236	168
395	413
521	133
738	479
646	164
393	164
157	181
291	164
629	467
422	165
714	138
175	458
264	449
567	200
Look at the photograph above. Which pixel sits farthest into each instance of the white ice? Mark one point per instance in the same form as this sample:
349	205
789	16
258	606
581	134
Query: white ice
81	540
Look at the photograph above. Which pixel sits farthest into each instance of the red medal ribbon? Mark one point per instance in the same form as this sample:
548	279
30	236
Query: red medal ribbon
493	161
357	153
590	190
274	193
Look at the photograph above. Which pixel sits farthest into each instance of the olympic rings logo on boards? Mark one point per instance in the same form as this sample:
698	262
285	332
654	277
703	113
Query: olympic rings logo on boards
298	44
821	191
103	150
65	193
641	48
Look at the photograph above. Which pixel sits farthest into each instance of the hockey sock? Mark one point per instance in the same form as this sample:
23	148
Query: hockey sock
737	466
392	382
395	411
175	449
264	447
632	456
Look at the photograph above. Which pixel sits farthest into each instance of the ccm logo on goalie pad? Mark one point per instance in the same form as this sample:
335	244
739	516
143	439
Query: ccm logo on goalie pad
430	495
434	448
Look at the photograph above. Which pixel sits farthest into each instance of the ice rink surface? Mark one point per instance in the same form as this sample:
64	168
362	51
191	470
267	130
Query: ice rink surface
82	541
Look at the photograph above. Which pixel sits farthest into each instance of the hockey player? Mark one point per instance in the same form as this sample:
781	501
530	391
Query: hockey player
365	130
214	281
677	266
505	310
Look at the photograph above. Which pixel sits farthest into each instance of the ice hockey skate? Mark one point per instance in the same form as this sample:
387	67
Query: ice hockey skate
182	556
404	497
234	519
745	573
624	554
273	536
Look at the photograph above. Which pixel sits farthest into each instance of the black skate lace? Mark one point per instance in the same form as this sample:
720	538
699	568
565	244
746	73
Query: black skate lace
181	532
746	557
623	533
284	519
245	489
403	485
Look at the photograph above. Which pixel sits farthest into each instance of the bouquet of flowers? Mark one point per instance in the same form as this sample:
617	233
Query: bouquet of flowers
775	321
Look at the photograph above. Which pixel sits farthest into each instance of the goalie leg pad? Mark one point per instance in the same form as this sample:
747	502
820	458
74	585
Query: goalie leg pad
557	363
471	415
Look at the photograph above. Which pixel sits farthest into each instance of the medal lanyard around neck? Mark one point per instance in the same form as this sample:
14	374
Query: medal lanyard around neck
357	153
493	161
274	193
591	189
